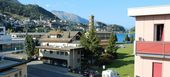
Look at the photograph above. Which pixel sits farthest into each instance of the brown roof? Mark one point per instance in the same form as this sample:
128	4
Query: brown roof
64	37
66	48
55	40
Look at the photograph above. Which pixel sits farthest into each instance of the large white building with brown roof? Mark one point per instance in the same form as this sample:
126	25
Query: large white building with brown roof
61	48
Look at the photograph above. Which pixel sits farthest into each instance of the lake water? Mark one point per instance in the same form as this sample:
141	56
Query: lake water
121	37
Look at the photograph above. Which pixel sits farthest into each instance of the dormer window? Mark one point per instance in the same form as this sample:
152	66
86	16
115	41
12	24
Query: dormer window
59	35
48	36
47	44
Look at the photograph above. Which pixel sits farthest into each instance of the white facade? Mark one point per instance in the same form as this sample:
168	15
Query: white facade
61	48
152	10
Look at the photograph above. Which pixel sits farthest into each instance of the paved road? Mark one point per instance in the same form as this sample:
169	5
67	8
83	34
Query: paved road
38	69
35	72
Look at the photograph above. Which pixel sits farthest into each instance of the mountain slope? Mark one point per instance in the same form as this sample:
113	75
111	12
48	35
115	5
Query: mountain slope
31	11
69	17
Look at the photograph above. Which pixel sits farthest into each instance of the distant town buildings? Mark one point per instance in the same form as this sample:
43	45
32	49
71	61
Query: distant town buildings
35	35
152	47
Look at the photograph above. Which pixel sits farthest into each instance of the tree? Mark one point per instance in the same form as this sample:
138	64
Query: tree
111	48
126	38
29	46
90	42
115	37
132	38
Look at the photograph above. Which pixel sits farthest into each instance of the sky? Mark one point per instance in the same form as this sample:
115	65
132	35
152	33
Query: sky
107	11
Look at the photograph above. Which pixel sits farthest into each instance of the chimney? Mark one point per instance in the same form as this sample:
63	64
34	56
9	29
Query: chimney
91	22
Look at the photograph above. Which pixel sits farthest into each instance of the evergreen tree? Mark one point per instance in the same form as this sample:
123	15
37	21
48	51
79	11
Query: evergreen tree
126	38
29	46
91	43
111	48
115	37
132	38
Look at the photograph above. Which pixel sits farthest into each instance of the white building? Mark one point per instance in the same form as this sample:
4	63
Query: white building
61	48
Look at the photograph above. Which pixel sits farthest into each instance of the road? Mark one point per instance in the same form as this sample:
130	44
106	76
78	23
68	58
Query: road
35	72
38	69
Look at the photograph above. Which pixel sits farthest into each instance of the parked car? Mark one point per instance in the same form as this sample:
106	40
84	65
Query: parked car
110	73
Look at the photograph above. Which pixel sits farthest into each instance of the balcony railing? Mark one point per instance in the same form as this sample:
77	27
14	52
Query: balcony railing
153	48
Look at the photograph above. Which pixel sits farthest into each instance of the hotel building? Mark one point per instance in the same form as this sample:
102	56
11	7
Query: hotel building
61	48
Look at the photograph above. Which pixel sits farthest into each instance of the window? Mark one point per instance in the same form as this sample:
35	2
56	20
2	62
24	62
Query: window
20	73
57	52
78	52
61	53
16	75
78	60
51	52
66	53
47	44
59	35
1	29
159	32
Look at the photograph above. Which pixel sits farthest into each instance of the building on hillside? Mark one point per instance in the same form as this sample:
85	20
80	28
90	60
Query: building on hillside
10	67
8	44
23	35
152	47
61	48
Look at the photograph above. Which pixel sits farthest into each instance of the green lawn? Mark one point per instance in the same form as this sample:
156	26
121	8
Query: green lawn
124	65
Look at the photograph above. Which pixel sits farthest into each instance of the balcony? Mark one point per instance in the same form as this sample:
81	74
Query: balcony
153	49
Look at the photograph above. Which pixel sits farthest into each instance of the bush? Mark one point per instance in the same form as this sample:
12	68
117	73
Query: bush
105	59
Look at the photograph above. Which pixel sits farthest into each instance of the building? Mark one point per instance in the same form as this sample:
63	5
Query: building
8	44
23	35
61	48
103	37
10	67
152	47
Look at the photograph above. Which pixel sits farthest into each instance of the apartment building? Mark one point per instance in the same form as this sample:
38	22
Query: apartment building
61	48
152	47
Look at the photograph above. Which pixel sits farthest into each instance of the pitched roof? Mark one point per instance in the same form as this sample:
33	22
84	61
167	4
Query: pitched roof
65	48
67	36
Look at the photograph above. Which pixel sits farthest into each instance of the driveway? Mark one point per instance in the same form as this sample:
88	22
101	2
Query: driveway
38	69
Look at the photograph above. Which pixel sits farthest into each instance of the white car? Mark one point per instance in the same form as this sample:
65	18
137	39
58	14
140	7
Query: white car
109	73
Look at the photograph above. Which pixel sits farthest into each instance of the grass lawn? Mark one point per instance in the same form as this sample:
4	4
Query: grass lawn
124	65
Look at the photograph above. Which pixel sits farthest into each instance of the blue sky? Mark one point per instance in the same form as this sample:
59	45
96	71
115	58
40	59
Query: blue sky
107	11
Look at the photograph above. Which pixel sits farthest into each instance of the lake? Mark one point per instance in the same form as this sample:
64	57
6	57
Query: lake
121	37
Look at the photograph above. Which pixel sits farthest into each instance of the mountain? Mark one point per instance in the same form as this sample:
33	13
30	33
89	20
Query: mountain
70	17
14	7
117	28
132	30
